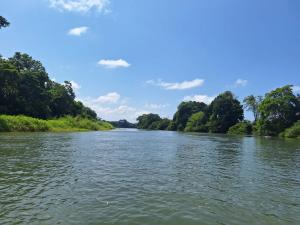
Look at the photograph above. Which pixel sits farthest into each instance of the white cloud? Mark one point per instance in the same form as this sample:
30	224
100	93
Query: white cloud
199	98
82	6
296	89
75	85
178	85
112	97
78	31
112	106
240	83
111	64
155	106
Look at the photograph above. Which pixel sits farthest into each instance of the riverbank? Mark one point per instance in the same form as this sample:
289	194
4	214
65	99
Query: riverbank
64	124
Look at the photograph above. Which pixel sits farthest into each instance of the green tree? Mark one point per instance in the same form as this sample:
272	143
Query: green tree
241	128
9	81
3	22
145	121
197	123
225	111
251	103
278	111
184	111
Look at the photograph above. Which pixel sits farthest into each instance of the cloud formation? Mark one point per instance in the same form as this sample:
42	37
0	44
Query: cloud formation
296	89
112	64
199	98
82	6
77	31
177	85
156	106
75	85
112	106
240	83
112	97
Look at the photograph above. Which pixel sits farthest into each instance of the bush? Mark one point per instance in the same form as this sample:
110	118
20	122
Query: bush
292	132
196	123
241	128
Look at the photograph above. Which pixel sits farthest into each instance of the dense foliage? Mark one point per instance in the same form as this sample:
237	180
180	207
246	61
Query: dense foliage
224	112
152	122
3	22
123	124
278	111
273	114
197	123
184	111
292	132
68	123
25	88
241	128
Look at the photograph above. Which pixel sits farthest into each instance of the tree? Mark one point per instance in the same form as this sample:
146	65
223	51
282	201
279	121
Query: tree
145	121
25	88
197	123
225	111
278	111
3	22
185	110
251	104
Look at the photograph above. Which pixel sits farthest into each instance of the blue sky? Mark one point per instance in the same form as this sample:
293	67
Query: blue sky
128	57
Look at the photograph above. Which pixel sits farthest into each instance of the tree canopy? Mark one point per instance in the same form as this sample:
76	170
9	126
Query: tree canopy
3	22
225	111
278	111
25	88
184	111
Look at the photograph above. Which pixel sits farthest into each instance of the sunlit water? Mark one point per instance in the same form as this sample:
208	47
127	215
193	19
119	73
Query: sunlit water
148	177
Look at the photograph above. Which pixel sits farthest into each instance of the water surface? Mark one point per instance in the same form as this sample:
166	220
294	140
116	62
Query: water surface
148	177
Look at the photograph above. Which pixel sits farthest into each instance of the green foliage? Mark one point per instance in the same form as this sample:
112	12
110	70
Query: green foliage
152	122
251	104
123	124
197	123
25	88
241	128
278	111
69	123
145	120
184	111
225	111
24	123
292	132
3	22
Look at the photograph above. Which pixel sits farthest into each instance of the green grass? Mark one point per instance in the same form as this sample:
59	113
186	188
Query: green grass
68	123
292	132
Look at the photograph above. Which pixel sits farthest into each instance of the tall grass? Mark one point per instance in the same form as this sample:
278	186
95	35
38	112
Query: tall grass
68	123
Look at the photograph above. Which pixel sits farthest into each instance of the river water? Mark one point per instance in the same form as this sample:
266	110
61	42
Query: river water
148	177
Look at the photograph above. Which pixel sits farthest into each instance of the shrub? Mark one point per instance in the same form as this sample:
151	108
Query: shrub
241	128
292	132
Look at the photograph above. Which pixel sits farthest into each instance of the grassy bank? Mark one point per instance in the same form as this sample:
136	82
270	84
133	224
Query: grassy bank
68	123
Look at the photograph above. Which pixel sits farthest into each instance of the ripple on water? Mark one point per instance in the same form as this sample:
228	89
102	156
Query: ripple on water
139	177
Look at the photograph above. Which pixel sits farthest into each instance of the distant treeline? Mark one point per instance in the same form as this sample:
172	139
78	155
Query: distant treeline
25	89
123	124
275	114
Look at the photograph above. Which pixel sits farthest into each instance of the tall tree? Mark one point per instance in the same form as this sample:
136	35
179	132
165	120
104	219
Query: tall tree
251	103
3	22
225	111
185	110
278	111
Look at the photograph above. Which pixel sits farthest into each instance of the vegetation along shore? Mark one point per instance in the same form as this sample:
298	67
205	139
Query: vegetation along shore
275	114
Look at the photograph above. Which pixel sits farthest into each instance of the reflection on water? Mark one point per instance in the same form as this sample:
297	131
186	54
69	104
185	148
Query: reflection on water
140	177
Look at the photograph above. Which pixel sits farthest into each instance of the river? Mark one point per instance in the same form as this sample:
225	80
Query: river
148	177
